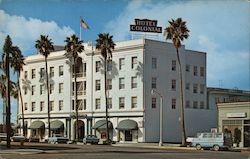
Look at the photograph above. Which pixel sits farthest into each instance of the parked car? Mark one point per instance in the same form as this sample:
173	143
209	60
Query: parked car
34	139
57	138
18	138
92	139
3	137
211	140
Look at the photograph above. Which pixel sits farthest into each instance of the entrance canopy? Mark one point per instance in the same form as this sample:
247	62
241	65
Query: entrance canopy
127	125
37	125
101	124
56	124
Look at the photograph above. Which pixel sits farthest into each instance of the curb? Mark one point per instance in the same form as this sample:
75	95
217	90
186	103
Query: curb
170	147
22	151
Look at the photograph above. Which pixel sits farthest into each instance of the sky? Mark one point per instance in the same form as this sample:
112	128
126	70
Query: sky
221	28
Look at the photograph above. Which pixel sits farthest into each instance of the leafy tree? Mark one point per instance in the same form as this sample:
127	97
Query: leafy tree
73	48
177	31
44	46
106	45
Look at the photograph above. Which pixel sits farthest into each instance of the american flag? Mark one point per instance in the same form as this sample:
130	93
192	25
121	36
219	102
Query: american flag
83	24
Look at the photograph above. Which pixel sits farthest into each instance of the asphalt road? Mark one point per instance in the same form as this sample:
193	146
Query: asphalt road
110	152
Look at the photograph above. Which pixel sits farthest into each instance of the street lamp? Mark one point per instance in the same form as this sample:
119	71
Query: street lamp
153	91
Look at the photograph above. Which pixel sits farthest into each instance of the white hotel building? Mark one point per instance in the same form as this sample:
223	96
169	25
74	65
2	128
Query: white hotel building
138	66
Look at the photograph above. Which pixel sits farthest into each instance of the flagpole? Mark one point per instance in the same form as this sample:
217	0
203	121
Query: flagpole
80	32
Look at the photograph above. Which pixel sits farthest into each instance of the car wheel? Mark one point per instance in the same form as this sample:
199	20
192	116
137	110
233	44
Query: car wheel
198	147
216	147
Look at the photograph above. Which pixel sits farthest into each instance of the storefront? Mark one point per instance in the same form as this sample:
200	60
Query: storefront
234	118
127	131
100	129
37	130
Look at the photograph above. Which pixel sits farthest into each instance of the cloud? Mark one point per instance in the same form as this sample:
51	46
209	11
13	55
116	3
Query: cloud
24	32
217	27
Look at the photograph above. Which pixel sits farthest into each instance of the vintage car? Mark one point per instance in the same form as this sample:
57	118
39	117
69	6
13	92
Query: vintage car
18	138
211	140
92	139
57	138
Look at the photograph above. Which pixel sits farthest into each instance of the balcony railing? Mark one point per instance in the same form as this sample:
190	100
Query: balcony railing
80	74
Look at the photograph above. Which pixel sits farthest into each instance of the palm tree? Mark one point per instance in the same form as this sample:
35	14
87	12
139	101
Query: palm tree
3	92
106	45
17	62
44	46
177	31
74	47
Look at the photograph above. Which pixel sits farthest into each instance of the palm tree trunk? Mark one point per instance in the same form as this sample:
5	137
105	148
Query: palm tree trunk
106	99
20	94
48	100
183	139
8	115
76	105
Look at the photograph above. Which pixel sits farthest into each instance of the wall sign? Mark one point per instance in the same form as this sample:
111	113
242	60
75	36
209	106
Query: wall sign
146	25
236	115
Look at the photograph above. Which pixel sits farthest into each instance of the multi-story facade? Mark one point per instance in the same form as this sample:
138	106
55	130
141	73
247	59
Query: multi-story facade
137	67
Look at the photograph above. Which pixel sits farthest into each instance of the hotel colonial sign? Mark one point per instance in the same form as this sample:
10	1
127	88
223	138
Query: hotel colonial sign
146	25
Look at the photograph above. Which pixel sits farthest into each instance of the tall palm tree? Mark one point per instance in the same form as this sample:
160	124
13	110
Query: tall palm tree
44	46
17	62
3	93
73	48
7	52
177	31
106	45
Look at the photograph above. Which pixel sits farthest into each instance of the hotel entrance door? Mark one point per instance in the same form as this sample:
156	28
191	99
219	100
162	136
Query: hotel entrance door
128	135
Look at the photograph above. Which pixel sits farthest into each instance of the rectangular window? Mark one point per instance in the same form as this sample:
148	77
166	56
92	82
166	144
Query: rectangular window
97	103
173	103
173	65
51	105
109	65
195	71
84	87
25	106
97	66
41	106
60	70
187	104
33	89
121	103
25	74
121	83
153	104
42	73
187	68
121	63
187	86
201	105
84	69
73	105
60	105
202	71
154	63
173	85
42	89
51	88
33	73
60	87
133	102
202	88
33	106
134	62
51	71
134	82
25	90
80	104
109	101
97	85
195	104
84	104
195	88
109	84
154	80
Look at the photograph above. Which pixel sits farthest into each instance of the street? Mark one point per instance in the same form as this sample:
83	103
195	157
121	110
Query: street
63	151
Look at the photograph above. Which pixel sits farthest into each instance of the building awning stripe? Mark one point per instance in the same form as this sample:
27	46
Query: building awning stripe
127	125
37	125
101	124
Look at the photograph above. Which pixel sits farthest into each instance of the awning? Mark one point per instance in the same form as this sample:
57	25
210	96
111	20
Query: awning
127	125
37	125
101	124
56	124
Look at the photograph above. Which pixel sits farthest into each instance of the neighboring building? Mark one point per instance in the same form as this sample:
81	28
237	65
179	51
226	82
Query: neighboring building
138	66
235	118
223	95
